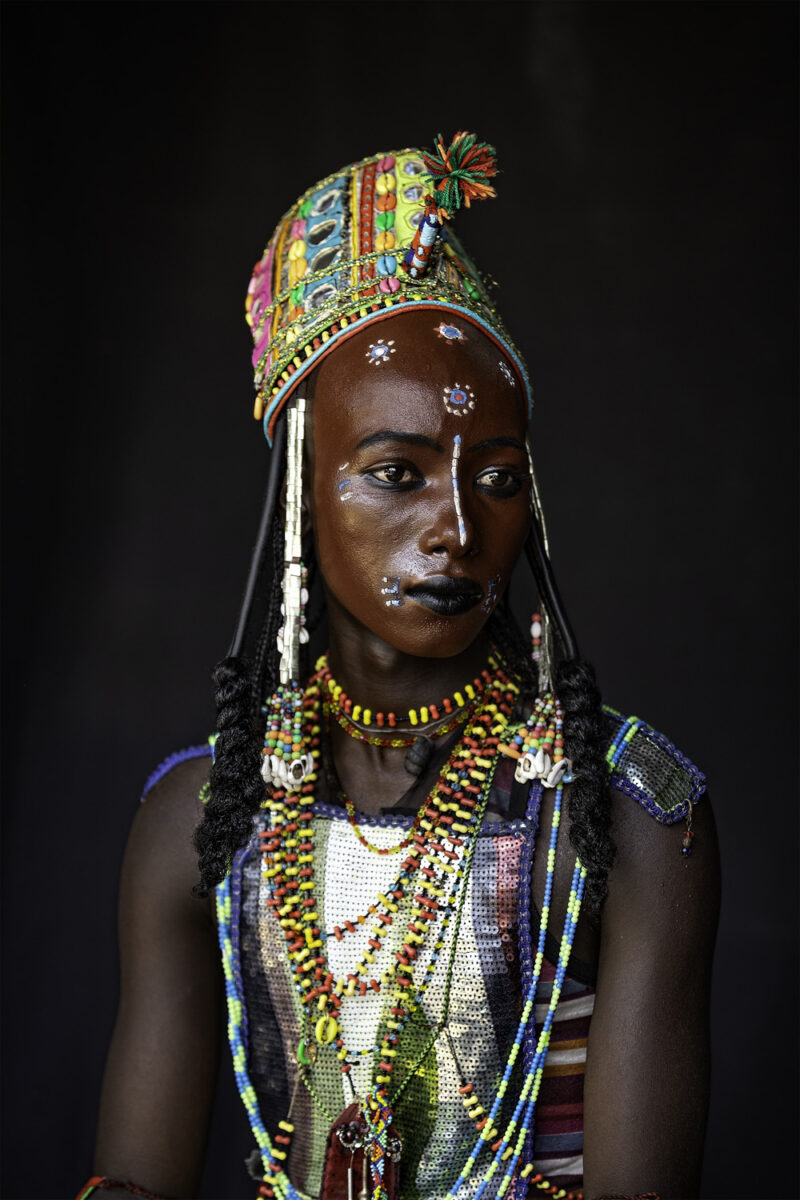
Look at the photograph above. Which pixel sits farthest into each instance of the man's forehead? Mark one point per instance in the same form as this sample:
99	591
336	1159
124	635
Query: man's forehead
424	410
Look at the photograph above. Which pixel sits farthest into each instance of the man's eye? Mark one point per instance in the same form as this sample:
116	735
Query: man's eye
507	483
393	475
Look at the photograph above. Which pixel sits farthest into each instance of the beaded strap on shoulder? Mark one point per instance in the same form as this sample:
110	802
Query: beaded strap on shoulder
646	766
171	761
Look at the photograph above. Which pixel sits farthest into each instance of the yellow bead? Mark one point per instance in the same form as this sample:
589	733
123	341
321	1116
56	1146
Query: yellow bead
325	1030
385	183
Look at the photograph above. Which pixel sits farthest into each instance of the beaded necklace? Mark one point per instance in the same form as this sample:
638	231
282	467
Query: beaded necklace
433	850
291	843
398	739
355	717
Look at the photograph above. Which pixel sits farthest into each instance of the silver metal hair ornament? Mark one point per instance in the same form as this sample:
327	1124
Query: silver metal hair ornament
285	708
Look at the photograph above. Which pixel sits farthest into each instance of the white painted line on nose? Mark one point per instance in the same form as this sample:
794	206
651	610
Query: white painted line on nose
462	529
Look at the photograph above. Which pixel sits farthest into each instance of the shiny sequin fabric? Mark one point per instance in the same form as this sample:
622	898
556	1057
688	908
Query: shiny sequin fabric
492	971
333	265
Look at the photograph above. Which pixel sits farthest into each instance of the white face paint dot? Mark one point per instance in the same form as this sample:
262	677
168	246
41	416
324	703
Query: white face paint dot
393	591
506	371
379	351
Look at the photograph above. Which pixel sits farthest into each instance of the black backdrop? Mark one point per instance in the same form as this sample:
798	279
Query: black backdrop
645	245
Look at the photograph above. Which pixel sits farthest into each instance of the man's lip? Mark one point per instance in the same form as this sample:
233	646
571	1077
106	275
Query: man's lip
446	585
446	595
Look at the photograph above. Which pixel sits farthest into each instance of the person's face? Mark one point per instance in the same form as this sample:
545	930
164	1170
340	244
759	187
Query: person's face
421	488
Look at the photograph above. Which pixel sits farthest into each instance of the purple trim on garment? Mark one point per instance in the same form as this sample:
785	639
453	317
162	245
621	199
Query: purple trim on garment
236	883
172	761
321	808
526	945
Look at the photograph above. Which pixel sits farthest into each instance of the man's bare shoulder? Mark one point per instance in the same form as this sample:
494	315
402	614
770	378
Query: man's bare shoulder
160	848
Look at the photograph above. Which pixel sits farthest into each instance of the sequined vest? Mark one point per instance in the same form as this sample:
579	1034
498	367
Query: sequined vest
484	981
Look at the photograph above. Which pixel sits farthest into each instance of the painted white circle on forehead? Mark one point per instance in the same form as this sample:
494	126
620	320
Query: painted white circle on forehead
459	399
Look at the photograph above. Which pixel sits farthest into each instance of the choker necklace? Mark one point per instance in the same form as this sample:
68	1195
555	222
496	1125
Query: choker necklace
357	718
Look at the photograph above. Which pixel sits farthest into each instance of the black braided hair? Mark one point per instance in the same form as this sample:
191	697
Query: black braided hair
236	786
589	802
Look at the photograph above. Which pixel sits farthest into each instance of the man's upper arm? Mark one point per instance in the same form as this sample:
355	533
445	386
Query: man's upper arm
161	1069
647	1071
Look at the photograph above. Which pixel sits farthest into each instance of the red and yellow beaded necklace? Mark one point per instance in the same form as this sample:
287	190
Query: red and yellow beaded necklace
444	826
364	723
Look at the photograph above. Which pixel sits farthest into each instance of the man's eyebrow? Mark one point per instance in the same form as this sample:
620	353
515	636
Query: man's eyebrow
493	443
396	435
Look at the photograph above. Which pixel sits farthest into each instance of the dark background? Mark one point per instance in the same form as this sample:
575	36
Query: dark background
645	243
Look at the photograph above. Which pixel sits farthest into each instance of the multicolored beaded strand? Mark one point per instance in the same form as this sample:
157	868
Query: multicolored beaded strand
272	1156
486	1122
538	746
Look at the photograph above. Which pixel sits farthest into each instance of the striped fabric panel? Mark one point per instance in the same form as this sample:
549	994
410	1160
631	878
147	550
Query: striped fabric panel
558	1145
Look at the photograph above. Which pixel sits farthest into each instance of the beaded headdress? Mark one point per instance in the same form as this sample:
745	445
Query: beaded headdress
356	246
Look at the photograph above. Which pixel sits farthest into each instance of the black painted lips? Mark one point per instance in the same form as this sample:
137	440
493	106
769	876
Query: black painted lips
446	596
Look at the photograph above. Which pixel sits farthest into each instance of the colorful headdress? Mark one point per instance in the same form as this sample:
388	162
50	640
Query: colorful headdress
363	241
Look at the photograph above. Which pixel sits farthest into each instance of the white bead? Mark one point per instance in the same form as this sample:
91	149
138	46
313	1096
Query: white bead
536	629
